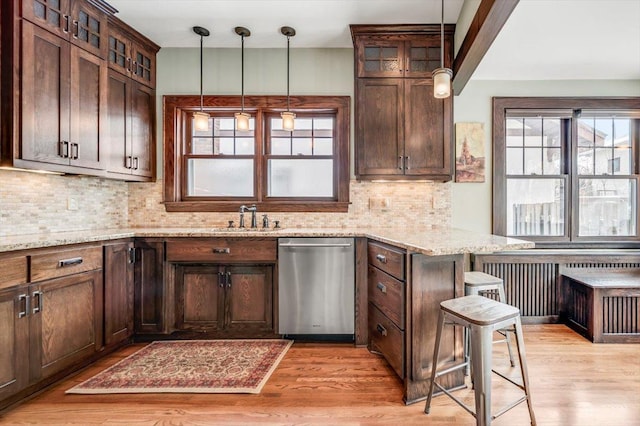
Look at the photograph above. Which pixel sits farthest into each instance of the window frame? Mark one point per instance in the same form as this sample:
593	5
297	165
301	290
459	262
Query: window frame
178	110
501	106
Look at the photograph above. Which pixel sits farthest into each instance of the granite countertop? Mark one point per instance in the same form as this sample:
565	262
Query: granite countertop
433	241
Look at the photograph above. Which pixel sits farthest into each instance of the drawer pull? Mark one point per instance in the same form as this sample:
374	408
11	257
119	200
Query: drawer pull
381	258
225	250
382	288
381	329
70	262
24	305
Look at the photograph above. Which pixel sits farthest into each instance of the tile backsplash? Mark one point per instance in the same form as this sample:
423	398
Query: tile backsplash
381	204
35	203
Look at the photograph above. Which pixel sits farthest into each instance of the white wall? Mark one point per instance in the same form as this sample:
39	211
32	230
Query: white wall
471	202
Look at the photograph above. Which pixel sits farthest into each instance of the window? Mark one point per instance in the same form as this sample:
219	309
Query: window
566	170
222	168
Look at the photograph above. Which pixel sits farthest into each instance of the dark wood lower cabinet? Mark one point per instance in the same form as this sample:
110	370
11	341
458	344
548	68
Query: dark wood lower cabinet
119	261
65	322
149	286
229	300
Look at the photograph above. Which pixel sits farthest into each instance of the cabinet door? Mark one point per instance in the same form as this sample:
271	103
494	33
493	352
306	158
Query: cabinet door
88	109
142	130
118	292
88	28
249	293
379	131
143	65
45	96
149	287
119	123
118	51
422	56
379	57
14	340
52	15
427	139
199	297
65	323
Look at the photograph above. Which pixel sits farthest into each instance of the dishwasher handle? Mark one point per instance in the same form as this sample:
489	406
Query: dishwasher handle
315	245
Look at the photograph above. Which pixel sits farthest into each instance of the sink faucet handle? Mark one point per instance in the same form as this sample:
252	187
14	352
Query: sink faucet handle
265	221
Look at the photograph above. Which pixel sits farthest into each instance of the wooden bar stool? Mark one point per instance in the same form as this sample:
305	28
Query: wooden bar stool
476	282
481	316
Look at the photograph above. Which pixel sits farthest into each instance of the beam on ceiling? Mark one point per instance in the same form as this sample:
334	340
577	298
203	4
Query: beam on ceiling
487	23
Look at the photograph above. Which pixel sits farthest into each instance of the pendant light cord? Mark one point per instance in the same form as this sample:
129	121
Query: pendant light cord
442	35
288	72
242	71
201	95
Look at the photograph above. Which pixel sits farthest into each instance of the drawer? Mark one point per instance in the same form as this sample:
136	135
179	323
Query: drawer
14	271
387	293
387	339
387	258
65	262
222	250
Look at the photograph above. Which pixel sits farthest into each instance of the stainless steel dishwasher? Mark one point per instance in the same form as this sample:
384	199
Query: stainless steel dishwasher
316	288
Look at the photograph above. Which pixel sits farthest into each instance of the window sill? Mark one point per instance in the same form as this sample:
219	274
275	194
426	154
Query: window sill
265	206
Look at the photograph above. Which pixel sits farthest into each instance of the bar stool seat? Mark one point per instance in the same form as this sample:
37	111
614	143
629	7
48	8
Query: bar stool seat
481	316
477	282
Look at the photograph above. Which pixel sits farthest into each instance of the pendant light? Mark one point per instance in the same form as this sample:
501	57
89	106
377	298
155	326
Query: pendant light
442	76
288	117
242	118
201	118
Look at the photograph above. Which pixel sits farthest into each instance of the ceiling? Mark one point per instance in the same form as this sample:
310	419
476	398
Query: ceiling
542	40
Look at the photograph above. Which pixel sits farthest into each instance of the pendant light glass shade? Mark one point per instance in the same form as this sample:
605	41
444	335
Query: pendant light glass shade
242	118
442	83
201	118
442	76
288	117
201	121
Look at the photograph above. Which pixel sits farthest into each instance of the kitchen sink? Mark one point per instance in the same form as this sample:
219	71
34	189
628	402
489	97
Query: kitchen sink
260	229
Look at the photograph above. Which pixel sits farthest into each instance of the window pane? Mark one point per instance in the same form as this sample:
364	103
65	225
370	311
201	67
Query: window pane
301	146
514	131
202	146
533	161
281	146
224	146
535	207
622	156
621	128
552	161
533	131
607	207
586	131
245	146
514	161
220	177
603	160
551	132
300	178
322	124
322	146
604	131
585	161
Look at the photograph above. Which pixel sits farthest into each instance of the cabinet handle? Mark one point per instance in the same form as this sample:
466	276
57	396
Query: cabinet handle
382	288
381	258
228	279
37	308
135	67
63	149
76	29
74	153
400	164
135	163
221	279
225	250
127	162
70	262
406	162
65	28
381	329
132	255
128	66
23	299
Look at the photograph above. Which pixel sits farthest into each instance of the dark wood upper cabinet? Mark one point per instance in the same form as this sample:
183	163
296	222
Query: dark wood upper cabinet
58	112
402	131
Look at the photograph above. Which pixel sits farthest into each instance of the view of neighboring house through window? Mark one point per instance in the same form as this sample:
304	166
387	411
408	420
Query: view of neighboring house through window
565	174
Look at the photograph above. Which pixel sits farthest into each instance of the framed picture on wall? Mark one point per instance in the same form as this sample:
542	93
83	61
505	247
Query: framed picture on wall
470	160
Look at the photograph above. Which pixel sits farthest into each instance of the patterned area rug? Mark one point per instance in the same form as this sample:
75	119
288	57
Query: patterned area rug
191	366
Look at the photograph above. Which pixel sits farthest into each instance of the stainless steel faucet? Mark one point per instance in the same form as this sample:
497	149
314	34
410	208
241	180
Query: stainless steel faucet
253	209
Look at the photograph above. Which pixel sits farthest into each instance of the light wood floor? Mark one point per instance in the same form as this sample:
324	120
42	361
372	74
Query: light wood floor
574	382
